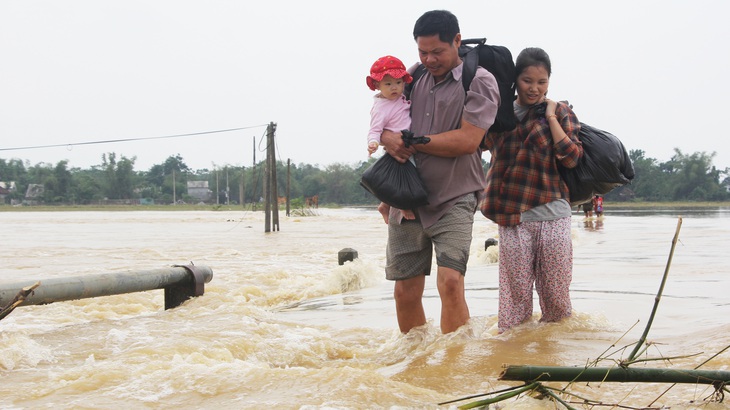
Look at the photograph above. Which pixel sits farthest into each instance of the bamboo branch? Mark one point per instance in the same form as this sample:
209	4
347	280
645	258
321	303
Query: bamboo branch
613	374
603	355
659	294
473	396
696	367
661	359
515	392
555	397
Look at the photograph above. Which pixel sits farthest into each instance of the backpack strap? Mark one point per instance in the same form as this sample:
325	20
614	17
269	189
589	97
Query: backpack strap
470	55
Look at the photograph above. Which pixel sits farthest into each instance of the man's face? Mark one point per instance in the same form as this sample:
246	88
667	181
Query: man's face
438	57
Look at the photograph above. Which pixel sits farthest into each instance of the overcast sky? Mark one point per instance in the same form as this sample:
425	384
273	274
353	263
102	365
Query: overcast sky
654	73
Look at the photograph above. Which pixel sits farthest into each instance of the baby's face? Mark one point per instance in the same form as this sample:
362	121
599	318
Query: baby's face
391	88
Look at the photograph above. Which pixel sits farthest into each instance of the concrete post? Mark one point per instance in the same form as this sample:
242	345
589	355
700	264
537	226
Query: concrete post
347	254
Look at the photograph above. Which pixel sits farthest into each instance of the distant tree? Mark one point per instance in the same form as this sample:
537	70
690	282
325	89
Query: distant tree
120	176
87	185
57	185
695	178
683	177
313	182
14	170
650	183
337	182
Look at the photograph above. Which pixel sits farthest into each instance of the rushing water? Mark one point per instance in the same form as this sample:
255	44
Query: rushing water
283	325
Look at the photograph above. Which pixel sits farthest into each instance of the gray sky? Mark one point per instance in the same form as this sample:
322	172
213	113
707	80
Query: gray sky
651	72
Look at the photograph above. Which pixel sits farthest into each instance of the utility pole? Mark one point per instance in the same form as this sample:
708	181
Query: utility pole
274	190
270	191
255	178
288	183
242	190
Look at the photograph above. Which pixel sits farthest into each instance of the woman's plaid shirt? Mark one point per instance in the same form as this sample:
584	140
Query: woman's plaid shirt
523	170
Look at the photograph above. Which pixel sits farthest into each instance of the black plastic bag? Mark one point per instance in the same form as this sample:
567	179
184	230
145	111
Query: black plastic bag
605	165
396	184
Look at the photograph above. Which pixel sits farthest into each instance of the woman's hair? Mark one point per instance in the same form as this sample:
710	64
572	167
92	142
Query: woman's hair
440	22
532	56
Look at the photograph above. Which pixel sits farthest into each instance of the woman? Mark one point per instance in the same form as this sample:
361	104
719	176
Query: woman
526	197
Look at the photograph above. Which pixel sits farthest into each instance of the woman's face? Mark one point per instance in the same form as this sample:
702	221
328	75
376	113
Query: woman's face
532	85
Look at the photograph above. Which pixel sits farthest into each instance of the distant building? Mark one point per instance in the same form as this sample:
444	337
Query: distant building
199	190
34	194
9	186
34	191
6	188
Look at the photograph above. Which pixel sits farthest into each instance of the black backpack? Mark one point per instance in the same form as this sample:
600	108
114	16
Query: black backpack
498	61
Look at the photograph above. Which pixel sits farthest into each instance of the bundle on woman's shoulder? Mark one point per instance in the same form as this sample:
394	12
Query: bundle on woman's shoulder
605	165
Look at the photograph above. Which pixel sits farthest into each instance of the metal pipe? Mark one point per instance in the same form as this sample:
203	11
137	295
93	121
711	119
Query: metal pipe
180	283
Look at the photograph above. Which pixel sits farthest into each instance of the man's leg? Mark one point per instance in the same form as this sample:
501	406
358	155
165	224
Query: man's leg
408	294
454	310
452	236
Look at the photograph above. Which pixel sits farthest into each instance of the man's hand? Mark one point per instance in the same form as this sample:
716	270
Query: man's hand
394	146
410	139
384	210
408	214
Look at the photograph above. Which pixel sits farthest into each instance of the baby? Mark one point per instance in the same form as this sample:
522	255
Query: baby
391	111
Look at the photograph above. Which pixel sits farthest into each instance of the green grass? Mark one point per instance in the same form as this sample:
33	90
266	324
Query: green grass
674	204
260	207
119	208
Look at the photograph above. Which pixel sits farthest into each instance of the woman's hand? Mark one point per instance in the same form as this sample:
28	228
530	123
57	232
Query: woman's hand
555	128
551	106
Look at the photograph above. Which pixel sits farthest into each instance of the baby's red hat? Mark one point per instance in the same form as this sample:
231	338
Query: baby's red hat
387	65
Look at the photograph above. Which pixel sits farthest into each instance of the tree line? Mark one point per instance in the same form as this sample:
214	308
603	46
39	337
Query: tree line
685	177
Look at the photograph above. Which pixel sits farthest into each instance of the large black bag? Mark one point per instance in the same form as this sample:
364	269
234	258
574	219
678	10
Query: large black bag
396	184
605	165
498	61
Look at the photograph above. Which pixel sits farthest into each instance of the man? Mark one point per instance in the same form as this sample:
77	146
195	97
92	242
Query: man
451	168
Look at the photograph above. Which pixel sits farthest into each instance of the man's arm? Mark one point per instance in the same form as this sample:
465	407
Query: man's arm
482	102
454	143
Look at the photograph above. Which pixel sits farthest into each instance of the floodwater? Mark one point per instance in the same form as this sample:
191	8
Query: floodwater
283	325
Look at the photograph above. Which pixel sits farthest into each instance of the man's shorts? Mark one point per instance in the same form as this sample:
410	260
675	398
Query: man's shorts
410	247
